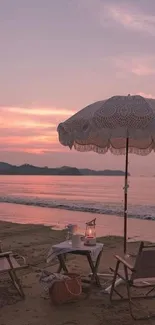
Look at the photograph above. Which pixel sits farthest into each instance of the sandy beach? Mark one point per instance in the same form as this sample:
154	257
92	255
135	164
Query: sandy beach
33	242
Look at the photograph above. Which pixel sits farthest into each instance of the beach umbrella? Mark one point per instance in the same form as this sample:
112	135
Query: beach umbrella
120	124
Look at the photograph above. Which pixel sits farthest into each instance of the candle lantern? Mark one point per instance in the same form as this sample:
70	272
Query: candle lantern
90	233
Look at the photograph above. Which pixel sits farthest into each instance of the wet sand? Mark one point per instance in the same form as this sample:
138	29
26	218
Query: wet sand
107	225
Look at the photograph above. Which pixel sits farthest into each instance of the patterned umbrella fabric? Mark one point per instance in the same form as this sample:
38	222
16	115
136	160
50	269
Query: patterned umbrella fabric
120	124
106	124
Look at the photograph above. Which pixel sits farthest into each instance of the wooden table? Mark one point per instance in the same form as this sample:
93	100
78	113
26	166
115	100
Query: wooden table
92	253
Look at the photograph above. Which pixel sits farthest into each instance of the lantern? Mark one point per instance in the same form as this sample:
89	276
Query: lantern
90	233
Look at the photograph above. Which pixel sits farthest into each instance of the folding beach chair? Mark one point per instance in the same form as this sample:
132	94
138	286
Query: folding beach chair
141	275
10	263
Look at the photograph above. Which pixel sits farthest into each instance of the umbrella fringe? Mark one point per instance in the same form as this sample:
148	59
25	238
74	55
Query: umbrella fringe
115	151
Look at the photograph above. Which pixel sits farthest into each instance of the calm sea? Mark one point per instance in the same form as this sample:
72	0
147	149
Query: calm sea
103	195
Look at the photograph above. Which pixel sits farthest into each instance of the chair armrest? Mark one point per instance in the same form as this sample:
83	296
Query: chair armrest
149	246
19	257
124	262
5	254
16	256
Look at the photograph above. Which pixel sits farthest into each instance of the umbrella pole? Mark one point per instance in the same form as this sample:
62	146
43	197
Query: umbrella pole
126	195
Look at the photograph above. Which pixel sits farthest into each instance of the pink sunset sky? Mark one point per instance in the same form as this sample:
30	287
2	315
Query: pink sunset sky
59	56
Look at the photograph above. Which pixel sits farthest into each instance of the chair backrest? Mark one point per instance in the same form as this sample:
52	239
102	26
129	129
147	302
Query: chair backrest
145	263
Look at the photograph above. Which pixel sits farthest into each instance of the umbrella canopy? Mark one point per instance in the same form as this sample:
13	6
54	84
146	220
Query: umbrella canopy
121	124
106	124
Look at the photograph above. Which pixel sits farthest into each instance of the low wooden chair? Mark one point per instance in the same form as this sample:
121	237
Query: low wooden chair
141	275
10	263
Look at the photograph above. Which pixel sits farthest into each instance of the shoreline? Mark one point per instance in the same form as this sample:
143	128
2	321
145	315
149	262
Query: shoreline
107	225
108	209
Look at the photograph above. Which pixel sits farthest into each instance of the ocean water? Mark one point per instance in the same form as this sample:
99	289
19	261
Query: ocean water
94	194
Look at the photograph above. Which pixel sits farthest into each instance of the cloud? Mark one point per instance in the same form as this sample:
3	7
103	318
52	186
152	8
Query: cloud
142	69
130	17
146	95
40	111
25	131
139	66
30	130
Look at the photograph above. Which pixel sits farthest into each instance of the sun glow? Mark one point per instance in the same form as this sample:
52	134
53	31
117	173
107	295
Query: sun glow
30	130
41	111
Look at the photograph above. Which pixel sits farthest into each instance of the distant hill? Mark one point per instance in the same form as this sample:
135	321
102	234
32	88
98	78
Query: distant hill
106	172
26	169
4	166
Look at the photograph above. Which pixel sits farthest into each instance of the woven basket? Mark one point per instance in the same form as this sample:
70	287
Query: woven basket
66	290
